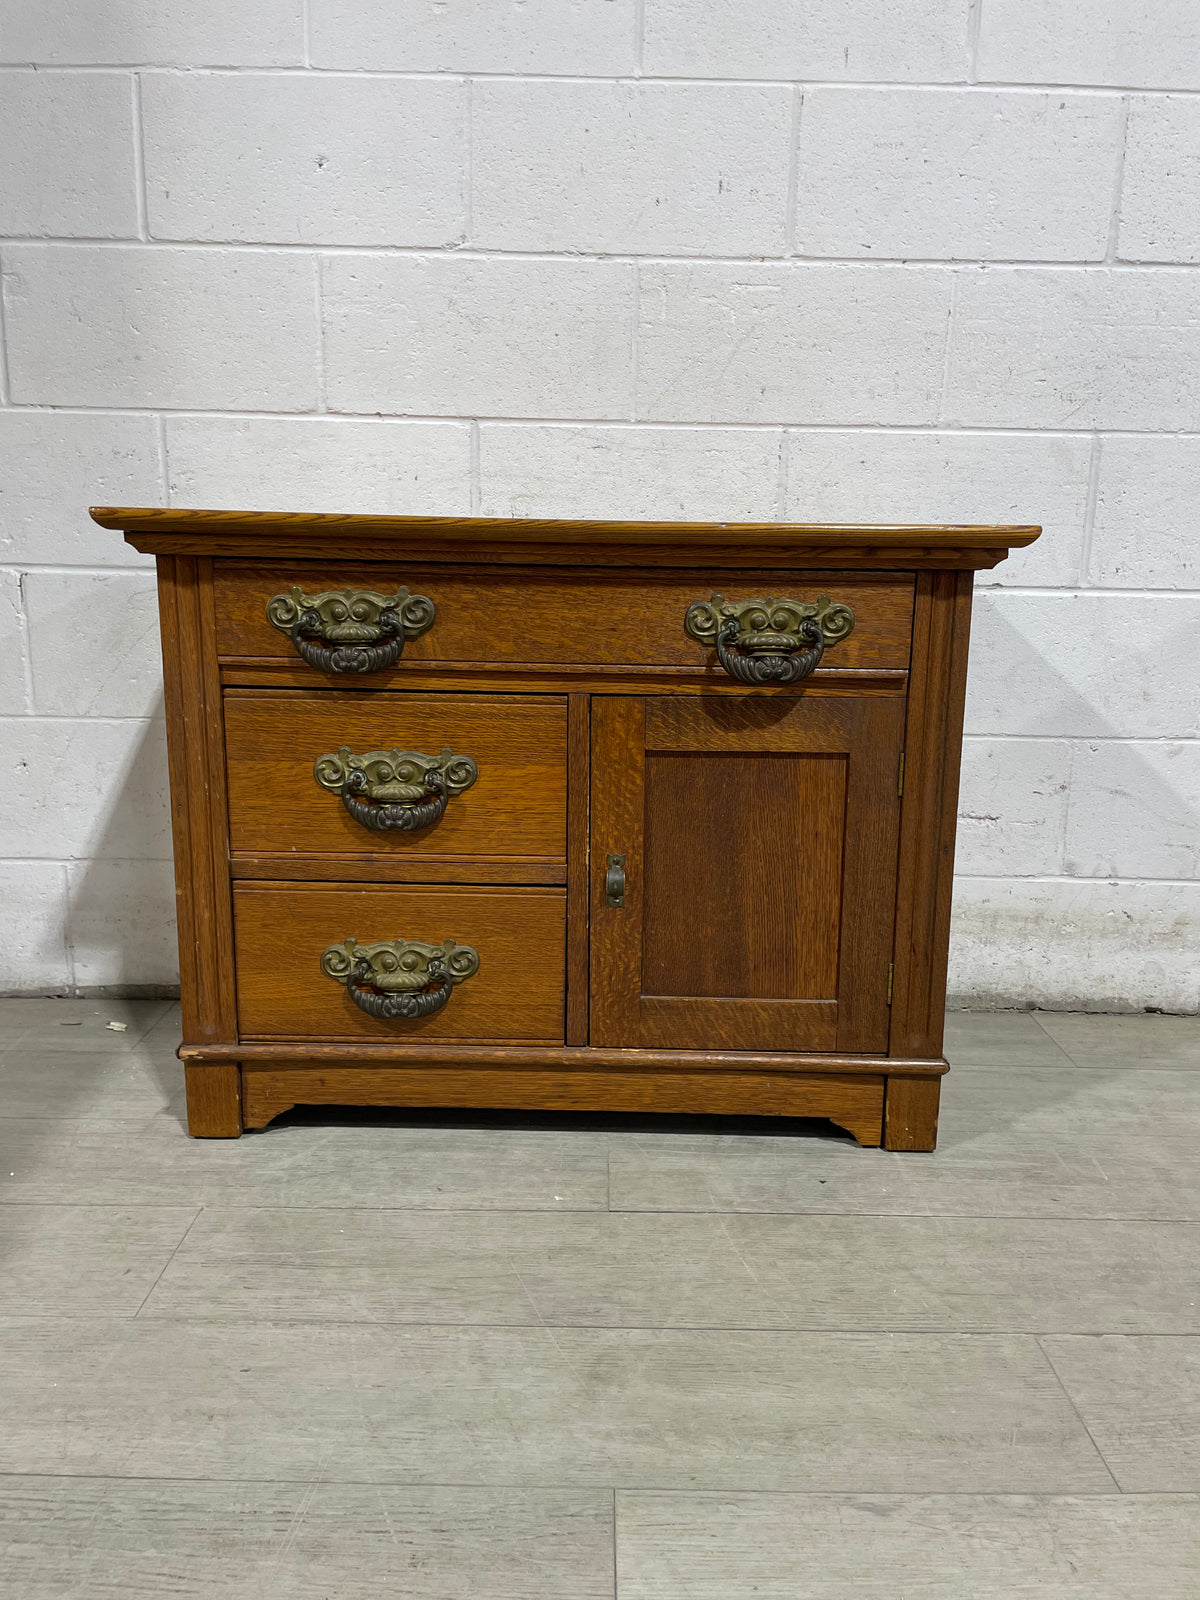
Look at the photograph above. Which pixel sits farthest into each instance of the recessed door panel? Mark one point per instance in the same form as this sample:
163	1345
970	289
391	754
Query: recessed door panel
759	839
742	860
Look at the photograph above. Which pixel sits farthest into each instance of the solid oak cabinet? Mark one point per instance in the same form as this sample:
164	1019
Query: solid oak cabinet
607	816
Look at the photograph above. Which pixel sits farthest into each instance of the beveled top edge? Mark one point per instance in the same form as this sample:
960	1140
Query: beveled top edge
542	531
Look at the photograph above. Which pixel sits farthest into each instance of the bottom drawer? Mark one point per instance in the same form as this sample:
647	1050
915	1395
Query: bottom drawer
282	930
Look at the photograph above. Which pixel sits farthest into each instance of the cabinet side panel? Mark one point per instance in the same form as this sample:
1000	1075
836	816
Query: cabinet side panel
195	754
933	754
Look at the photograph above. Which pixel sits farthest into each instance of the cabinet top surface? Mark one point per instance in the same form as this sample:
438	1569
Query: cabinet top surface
257	533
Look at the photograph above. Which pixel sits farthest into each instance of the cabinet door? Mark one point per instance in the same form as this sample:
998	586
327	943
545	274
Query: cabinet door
759	838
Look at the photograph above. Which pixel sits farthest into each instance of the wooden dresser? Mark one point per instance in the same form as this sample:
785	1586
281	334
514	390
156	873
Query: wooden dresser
604	816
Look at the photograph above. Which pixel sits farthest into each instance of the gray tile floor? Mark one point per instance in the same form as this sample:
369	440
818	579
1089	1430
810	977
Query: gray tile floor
454	1357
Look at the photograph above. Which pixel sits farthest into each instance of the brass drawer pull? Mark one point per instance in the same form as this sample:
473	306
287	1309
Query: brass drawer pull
399	977
395	790
350	630
770	640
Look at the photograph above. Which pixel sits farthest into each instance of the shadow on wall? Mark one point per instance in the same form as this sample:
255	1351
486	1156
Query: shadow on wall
1094	903
121	910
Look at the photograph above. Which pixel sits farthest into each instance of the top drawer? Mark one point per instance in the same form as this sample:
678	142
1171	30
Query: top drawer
555	618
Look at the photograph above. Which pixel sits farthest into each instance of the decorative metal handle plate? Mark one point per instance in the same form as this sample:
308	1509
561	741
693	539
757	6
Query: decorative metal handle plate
395	790
350	630
614	883
399	977
772	640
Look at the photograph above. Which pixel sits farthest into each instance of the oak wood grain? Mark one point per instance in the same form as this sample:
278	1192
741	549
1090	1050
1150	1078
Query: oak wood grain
579	769
760	840
933	749
214	1100
590	618
910	1116
282	929
516	807
419	867
245	535
421	1052
565	678
853	1103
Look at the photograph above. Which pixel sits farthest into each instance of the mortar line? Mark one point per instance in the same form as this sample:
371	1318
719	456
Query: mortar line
1114	221
974	21
141	194
439	75
793	183
1096	266
1089	510
451	419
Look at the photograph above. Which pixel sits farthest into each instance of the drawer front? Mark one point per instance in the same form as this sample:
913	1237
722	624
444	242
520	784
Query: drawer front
281	932
515	807
560	618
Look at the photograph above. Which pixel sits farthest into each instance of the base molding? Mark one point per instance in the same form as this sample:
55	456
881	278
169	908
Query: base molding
853	1101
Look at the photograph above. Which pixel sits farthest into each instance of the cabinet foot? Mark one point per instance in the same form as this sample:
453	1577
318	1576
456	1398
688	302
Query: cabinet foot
910	1113
214	1101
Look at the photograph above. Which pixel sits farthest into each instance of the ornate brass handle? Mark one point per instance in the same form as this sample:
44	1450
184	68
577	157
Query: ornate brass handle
770	640
350	630
399	977
395	790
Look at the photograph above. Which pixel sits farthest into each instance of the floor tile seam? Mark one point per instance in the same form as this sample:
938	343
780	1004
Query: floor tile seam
606	1489
222	1206
1067	1065
625	1211
196	1217
441	1211
1079	1415
198	1321
96	1205
616	1568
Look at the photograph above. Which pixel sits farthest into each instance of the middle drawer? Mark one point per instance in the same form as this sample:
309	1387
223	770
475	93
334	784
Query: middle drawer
501	817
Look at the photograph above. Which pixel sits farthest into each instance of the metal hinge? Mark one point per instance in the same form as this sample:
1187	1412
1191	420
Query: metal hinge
891	975
900	776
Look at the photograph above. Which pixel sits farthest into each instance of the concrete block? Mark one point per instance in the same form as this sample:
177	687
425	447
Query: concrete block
1147	513
1085	666
856	40
1000	175
68	155
1046	348
122	924
1075	945
1012	807
442	335
53	465
659	474
803	342
269	33
33	941
1135	810
138	326
573	37
1160	187
1134	43
284	159
94	643
664	169
868	475
84	787
333	464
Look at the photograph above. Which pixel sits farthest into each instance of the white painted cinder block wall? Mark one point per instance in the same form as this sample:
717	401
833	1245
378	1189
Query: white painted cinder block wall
808	259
